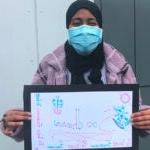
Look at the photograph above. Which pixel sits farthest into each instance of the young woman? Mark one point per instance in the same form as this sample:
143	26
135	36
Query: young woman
83	59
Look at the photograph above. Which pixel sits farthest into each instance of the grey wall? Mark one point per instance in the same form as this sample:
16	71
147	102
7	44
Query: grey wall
29	29
126	27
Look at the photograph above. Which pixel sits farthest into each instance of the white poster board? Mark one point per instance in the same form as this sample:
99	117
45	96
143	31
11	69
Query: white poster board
81	119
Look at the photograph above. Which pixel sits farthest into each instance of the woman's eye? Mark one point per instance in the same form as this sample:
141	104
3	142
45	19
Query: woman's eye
76	24
92	23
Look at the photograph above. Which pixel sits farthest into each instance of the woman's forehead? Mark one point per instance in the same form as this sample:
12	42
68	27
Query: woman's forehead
82	13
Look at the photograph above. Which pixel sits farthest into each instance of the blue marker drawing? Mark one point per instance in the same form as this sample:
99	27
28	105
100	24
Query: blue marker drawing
104	145
121	117
58	104
38	99
55	146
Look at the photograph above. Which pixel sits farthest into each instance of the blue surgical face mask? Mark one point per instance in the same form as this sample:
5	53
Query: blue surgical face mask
85	38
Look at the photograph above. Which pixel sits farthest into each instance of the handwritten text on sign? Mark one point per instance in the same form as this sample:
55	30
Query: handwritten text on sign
80	120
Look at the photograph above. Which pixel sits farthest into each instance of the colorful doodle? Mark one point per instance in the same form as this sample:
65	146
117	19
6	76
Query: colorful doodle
58	104
83	124
121	117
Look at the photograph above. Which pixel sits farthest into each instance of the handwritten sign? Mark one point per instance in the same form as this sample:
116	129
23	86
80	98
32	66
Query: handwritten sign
81	120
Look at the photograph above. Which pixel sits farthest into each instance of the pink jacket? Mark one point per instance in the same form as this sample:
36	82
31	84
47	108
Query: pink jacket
52	71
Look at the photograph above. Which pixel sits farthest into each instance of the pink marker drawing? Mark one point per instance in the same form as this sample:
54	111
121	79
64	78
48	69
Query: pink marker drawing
125	98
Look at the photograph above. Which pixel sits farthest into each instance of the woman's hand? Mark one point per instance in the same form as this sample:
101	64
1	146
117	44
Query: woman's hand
13	119
141	120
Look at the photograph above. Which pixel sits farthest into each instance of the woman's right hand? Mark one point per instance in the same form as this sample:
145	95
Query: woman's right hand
14	119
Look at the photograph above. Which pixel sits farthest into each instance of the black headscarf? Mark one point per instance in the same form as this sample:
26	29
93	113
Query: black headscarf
79	4
76	63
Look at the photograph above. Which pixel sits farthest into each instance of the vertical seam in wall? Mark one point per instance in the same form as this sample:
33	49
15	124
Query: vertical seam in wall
36	31
101	6
99	3
135	60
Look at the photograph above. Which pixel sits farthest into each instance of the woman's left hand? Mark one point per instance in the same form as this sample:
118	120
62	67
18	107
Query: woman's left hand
141	120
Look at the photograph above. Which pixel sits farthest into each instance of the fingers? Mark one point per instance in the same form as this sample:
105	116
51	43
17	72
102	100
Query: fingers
141	116
142	124
144	127
17	112
13	119
14	124
141	120
17	117
8	132
141	113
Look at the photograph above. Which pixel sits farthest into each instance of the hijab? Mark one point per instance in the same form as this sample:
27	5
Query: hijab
78	65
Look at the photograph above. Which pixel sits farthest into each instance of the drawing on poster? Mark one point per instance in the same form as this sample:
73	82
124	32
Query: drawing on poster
81	120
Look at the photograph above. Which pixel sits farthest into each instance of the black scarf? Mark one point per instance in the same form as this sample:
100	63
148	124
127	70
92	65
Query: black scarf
78	64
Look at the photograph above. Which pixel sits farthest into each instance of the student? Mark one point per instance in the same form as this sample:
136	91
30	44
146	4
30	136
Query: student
83	59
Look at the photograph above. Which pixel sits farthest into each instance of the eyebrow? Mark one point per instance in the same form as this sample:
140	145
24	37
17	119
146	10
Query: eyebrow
91	19
80	19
